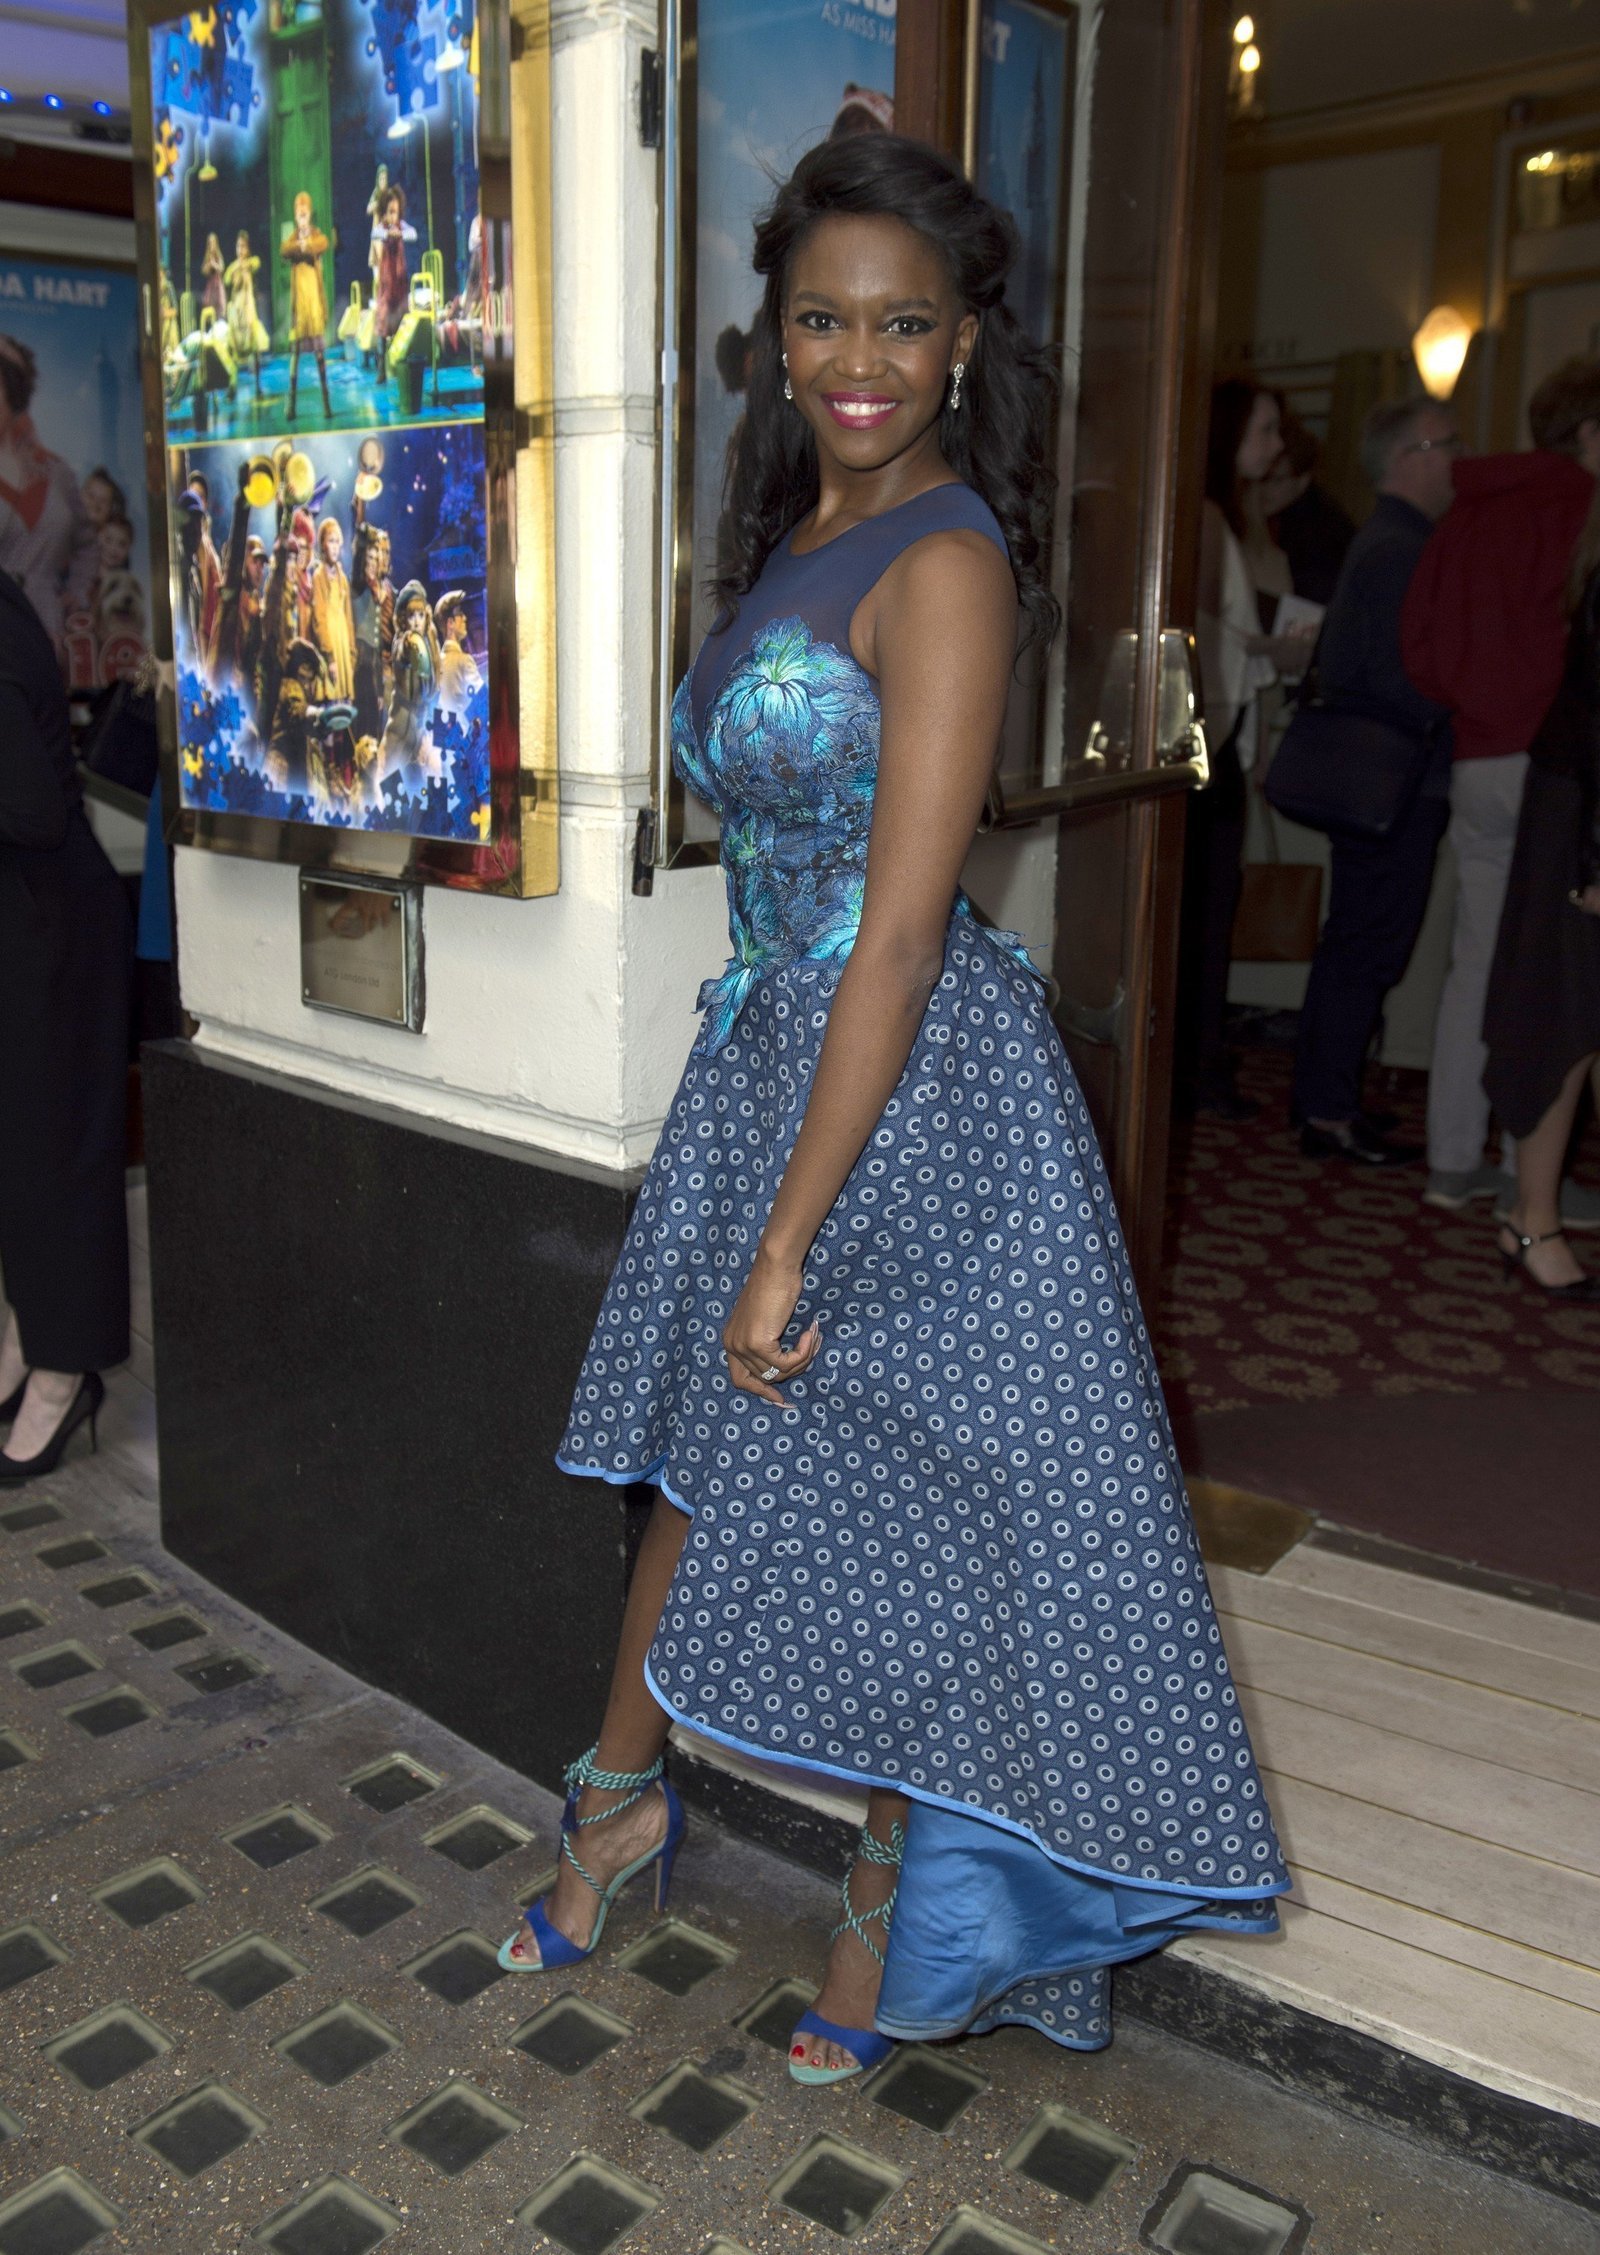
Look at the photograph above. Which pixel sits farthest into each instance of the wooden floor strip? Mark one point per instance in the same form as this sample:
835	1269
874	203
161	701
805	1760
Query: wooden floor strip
1452	1654
1417	1597
1366	1688
1467	1796
1451	1942
1474	2023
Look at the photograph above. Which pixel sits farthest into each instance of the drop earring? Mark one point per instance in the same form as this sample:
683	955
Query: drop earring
956	374
788	388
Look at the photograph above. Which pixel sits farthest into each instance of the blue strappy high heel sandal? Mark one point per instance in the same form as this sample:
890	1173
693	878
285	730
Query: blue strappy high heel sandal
555	1948
865	2045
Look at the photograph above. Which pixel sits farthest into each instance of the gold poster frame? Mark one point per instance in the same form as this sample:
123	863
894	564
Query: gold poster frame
670	847
520	856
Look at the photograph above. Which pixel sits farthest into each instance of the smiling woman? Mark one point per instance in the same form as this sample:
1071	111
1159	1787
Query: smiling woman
873	1332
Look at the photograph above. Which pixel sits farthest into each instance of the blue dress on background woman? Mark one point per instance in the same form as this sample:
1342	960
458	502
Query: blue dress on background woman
960	1564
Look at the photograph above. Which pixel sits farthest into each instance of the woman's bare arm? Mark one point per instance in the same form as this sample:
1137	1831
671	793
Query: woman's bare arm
943	635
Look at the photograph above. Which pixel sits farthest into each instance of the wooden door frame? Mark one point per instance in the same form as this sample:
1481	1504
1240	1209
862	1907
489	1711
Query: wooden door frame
935	63
932	74
1187	300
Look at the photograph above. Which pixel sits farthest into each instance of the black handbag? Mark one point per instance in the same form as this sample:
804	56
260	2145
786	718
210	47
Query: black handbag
1346	772
1345	768
121	744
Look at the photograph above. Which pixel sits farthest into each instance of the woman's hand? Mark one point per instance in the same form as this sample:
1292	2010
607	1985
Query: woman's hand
1588	900
760	1317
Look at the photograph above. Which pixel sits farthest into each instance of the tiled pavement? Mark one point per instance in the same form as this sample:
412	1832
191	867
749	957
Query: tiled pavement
246	1915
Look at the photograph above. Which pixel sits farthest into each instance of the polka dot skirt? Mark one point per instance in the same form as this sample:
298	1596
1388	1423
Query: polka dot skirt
961	1561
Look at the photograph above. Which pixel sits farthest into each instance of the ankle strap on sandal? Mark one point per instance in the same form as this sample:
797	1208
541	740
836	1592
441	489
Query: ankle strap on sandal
890	1855
586	1771
635	1784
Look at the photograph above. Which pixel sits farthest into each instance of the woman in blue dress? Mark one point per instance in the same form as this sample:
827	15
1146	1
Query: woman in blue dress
873	1333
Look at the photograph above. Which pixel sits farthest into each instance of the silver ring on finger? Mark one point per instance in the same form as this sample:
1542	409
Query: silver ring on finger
768	1375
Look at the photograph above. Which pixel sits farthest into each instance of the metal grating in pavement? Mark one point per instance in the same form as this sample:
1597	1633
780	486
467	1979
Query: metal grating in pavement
199	2129
249	1998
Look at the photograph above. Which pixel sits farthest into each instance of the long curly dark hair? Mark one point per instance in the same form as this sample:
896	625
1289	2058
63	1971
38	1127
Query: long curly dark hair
998	440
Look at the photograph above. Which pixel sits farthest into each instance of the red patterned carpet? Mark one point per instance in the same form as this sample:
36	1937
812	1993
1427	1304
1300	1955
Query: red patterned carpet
1328	1339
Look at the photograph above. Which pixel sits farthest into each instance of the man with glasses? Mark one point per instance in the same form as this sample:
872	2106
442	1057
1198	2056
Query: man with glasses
1378	887
1484	632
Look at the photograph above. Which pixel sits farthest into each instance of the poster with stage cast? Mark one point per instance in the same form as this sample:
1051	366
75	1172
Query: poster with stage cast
322	301
329	630
73	522
321	247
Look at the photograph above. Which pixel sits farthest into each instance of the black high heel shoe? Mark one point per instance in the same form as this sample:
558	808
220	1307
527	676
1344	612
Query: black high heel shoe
84	1408
13	1401
1584	1288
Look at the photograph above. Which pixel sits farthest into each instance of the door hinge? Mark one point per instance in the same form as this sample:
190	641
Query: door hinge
644	852
650	99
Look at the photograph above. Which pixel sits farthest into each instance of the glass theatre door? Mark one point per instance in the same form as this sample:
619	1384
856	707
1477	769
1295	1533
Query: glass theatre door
1118	742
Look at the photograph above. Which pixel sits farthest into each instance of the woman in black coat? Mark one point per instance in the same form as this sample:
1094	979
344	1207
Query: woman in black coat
65	969
1542	1016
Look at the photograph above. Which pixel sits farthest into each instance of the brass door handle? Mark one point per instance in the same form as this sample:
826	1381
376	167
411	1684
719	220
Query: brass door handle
1009	811
1183	762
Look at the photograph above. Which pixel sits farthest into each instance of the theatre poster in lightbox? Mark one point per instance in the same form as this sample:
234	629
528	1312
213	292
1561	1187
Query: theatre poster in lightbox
73	522
1024	128
771	81
322	348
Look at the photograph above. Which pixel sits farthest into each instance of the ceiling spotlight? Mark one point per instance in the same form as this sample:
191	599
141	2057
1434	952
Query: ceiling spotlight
102	109
54	102
1244	31
453	57
5	94
1545	161
1250	61
401	126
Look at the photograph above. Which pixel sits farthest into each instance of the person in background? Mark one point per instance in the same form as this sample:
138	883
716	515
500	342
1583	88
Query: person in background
103	498
1483	633
1379	886
1270	573
1236	661
47	535
1307	523
332	617
65	970
1541	1020
213	291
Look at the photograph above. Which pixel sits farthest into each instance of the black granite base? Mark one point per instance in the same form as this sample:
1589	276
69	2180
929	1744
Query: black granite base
367	1334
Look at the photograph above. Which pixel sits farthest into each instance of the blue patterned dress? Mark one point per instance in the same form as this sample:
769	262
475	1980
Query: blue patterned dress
961	1563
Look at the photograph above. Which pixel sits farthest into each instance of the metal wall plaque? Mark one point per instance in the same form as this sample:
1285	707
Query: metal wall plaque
361	948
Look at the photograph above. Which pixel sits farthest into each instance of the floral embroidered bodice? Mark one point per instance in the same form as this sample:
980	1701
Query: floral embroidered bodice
776	726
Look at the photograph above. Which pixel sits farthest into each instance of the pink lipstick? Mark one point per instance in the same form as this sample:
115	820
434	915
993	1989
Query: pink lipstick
860	411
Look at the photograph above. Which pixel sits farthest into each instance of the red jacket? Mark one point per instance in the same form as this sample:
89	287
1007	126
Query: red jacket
1484	627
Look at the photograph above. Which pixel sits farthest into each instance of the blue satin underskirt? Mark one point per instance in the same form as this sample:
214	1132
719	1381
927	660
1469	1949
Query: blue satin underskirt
989	1931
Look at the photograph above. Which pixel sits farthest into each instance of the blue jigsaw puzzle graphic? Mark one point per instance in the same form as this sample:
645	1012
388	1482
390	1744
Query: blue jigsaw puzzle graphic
238	88
213	79
231	779
409	57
